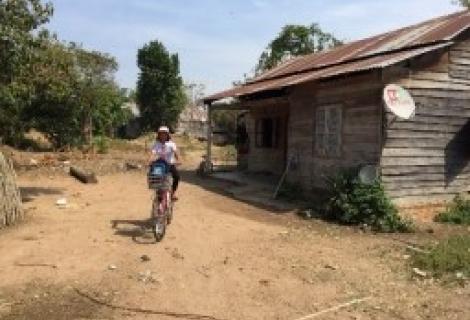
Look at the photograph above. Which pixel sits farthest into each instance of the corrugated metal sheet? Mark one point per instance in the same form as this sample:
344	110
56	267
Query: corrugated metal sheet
440	29
372	53
371	63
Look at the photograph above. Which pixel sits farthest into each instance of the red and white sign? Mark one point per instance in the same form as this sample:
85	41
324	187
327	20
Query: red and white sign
399	101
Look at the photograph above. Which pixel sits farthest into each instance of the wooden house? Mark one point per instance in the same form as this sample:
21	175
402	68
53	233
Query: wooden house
325	112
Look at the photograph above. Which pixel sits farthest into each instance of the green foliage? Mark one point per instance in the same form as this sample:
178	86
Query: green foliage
102	144
109	113
14	97
97	92
54	108
19	18
446	259
457	212
354	203
19	38
295	40
160	92
61	90
73	89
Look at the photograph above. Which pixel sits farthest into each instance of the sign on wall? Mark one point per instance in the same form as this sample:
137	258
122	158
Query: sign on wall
399	101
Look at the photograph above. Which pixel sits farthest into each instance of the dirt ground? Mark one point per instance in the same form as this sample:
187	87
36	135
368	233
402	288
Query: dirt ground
221	259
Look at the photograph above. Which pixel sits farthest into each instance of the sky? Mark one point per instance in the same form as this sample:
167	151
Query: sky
218	41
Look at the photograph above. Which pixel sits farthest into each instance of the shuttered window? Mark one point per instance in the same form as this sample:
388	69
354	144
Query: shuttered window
328	129
267	132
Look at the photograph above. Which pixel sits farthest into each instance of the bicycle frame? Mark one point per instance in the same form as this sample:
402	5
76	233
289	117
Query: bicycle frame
162	200
162	207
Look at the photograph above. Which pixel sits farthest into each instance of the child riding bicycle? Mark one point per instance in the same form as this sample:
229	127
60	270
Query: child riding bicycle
165	149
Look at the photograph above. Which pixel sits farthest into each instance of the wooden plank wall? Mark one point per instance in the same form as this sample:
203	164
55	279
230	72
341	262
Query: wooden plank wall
263	159
359	97
426	158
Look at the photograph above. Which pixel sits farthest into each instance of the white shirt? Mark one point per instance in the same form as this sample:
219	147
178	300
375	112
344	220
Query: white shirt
165	151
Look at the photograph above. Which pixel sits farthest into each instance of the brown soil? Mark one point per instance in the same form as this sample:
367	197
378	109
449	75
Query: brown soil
221	258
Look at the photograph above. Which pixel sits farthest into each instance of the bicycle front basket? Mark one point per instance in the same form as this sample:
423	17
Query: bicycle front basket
157	175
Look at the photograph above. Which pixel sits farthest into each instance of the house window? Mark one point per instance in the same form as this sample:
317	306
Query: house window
328	128
267	132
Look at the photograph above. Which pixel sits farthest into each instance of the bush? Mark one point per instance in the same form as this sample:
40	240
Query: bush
449	257
457	212
352	202
102	144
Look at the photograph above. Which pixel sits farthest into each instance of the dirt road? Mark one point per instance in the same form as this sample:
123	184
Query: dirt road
221	258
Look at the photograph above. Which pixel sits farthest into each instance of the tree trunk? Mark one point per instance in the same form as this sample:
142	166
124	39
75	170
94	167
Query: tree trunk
10	198
87	128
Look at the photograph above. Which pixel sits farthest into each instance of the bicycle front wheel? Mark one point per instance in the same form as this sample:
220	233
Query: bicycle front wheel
159	228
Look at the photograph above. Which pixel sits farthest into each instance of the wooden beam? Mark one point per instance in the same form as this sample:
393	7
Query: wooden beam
247	105
267	102
229	106
209	139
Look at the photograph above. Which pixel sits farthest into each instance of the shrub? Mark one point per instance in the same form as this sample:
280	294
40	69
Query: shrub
352	202
449	257
102	144
457	212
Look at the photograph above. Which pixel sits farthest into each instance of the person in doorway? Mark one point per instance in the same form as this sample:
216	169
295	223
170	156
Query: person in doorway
165	149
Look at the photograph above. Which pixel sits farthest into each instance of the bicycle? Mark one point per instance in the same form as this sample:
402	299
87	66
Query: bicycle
160	180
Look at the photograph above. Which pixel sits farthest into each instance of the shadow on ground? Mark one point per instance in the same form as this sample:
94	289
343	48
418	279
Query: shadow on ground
44	301
28	194
224	188
140	231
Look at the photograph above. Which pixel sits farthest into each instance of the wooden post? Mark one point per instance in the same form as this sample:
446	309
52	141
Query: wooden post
209	139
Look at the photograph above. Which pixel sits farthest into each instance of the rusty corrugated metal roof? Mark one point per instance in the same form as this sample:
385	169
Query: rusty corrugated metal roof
371	63
371	53
440	29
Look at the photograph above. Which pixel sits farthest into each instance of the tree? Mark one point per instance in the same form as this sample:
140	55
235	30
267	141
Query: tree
95	71
54	109
109	113
160	92
74	94
17	42
463	3
295	40
19	19
10	199
60	89
20	37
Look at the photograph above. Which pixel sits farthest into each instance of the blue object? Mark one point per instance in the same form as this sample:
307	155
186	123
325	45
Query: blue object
159	168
